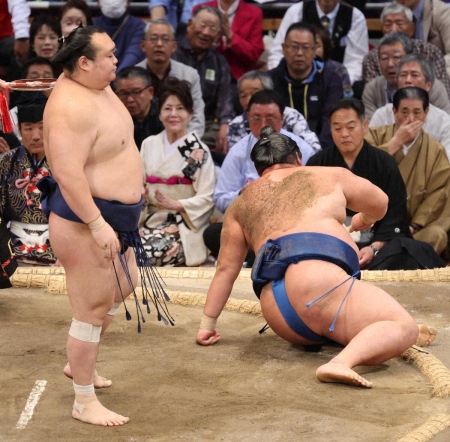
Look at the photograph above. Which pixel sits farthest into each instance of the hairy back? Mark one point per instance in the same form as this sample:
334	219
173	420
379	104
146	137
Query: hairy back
291	200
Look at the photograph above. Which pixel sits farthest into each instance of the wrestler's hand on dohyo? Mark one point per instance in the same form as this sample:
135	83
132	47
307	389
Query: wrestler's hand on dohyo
359	223
107	240
207	337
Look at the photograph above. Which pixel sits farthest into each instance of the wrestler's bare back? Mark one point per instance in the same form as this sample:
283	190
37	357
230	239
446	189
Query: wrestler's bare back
292	200
101	124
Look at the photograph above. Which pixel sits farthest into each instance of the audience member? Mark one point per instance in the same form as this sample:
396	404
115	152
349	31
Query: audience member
180	180
306	83
197	50
14	37
423	164
158	43
238	171
432	24
241	41
34	68
170	10
324	49
389	244
346	25
44	37
415	70
20	202
133	86
124	29
381	89
73	14
293	120
398	18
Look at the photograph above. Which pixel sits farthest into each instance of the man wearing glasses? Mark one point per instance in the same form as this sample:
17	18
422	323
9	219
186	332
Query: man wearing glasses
197	50
133	85
345	25
238	170
306	84
158	43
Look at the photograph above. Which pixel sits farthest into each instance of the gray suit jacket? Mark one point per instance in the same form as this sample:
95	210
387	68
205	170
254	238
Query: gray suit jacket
436	27
374	96
184	72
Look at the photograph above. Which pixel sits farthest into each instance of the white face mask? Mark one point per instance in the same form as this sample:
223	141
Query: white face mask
113	8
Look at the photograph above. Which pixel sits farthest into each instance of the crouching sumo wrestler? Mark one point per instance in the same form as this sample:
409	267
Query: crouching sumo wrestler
306	271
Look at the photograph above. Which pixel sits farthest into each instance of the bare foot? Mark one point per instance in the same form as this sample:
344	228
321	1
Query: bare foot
426	335
341	373
90	410
99	381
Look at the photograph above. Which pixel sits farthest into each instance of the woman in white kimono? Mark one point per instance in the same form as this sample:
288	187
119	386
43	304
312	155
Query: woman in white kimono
179	181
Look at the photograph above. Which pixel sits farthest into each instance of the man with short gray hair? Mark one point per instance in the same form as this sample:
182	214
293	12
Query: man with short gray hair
432	24
381	89
197	50
398	18
415	70
158	43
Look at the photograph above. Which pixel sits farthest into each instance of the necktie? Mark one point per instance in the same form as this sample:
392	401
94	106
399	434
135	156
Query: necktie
325	21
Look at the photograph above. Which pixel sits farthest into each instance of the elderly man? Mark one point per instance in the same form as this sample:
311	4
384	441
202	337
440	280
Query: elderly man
238	170
345	25
20	204
241	41
133	86
94	202
432	24
158	43
197	50
305	83
306	271
293	121
398	18
423	164
415	70
381	89
389	244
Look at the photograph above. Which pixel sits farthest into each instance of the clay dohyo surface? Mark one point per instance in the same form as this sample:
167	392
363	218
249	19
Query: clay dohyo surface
248	387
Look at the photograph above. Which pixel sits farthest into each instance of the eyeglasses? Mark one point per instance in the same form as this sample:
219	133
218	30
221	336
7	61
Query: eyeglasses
202	25
269	120
164	39
123	95
395	58
297	48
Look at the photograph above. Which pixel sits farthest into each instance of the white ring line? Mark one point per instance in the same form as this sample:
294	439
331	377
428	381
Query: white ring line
32	401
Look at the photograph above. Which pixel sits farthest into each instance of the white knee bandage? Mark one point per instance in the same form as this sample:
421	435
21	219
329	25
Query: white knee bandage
114	308
85	332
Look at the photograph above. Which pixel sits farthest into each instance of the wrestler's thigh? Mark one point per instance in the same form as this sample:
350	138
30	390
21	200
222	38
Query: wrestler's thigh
307	281
90	277
365	305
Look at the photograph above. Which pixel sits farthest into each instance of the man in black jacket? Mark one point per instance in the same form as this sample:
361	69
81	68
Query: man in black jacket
391	235
306	83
